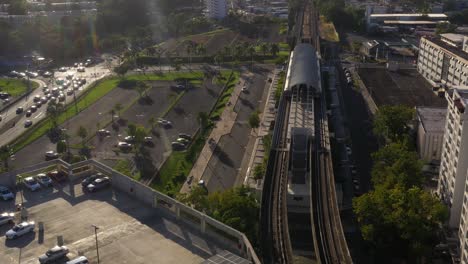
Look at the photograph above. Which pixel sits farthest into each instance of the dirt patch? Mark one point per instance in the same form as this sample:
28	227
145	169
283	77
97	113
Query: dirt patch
405	87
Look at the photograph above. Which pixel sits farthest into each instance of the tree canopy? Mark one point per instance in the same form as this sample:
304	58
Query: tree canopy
391	121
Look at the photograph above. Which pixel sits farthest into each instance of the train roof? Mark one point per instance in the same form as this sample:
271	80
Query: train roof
304	66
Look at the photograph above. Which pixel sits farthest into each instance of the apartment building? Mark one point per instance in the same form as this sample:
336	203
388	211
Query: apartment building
216	9
430	132
454	160
443	60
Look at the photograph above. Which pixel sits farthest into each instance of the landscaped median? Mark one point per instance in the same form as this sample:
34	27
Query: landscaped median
176	168
93	94
16	87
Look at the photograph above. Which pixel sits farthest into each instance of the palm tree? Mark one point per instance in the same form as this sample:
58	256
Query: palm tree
274	49
118	107
82	133
264	48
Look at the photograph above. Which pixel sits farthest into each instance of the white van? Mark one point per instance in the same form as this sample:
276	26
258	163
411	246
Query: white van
79	260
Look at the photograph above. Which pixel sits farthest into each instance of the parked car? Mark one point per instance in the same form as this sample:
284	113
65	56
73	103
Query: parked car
245	89
129	139
177	146
186	136
53	254
49	155
103	132
28	123
183	141
88	180
98	184
43	179
5	193
81	69
47	74
78	260
349	151
57	176
165	123
7	218
124	145
31	184
62	69
20	230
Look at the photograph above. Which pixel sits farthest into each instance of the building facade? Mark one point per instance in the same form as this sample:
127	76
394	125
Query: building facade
430	132
454	159
216	9
444	61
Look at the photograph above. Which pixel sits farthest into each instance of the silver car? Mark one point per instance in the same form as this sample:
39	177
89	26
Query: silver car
20	229
53	254
7	218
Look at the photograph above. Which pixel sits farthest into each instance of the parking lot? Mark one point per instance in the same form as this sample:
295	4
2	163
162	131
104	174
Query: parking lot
129	232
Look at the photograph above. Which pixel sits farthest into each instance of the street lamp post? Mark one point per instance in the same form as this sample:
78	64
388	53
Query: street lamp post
97	245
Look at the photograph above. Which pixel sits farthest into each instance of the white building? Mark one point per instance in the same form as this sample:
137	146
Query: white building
216	9
444	61
430	133
454	160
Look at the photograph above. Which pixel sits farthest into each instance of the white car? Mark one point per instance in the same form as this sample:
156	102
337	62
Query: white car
53	254
51	154
20	229
124	145
7	218
6	194
164	122
28	123
31	184
43	179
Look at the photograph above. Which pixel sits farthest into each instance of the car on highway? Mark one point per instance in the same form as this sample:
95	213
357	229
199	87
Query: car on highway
186	136
57	176
33	108
38	104
19	110
31	184
28	123
7	218
129	139
47	74
32	74
20	230
53	254
81	69
98	184
37	98
61	97
5	193
62	69
70	91
177	146
49	155
4	95
44	180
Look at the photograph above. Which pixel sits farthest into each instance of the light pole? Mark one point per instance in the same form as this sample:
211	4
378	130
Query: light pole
97	245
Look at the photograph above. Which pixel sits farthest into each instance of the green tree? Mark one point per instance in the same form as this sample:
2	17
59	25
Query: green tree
82	133
118	108
394	165
121	70
61	146
141	88
254	119
442	28
18	7
274	49
131	129
391	122
53	111
264	48
259	171
400	223
152	122
203	118
5	153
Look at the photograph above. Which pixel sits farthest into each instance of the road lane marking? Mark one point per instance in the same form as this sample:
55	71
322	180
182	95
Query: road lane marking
39	115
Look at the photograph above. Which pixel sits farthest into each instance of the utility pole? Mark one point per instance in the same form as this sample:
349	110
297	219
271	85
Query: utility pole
97	245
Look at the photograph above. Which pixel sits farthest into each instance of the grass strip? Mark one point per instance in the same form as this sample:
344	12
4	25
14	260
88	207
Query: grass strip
178	165
16	87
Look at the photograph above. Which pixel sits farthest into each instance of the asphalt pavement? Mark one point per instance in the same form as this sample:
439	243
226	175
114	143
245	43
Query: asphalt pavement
225	164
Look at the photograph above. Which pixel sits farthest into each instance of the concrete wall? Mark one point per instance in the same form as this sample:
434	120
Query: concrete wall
429	144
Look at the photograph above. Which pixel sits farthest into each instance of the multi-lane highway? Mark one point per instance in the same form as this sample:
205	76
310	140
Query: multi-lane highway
12	124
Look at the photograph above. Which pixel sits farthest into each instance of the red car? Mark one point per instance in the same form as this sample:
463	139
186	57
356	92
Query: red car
57	176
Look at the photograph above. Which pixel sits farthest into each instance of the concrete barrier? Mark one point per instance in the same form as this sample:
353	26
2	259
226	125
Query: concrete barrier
225	235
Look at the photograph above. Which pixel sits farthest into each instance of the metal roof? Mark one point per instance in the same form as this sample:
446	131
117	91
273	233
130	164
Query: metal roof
304	66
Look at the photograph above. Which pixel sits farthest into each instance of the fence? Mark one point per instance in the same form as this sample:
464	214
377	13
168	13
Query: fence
225	235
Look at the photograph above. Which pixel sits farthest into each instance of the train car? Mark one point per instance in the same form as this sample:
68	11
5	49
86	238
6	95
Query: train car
304	70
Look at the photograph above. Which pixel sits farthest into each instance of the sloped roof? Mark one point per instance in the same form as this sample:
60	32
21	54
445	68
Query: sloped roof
304	66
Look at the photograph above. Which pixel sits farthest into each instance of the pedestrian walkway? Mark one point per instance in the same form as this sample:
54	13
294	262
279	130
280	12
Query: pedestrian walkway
223	127
258	153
